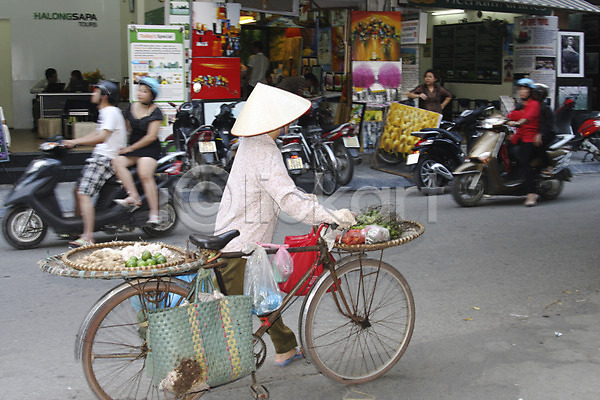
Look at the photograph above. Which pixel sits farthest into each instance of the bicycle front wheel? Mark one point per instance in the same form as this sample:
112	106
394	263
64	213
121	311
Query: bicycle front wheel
363	345
115	346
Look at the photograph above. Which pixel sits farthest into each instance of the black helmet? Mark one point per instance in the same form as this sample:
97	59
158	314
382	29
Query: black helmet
110	89
540	91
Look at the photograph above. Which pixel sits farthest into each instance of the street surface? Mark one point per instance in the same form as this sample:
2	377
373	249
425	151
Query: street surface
507	301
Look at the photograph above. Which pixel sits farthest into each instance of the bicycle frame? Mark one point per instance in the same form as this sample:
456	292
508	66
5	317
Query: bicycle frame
324	259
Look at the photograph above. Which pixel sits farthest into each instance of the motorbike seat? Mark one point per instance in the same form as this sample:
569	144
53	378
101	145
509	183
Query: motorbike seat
443	133
216	242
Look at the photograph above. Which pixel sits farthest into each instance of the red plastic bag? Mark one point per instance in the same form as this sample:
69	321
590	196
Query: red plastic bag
302	262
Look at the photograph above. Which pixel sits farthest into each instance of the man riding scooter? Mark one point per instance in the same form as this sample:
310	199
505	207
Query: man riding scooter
527	136
109	138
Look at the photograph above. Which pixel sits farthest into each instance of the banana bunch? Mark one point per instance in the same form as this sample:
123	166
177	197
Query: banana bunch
401	121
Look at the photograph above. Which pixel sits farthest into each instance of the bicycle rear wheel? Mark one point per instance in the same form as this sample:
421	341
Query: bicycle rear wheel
114	342
358	348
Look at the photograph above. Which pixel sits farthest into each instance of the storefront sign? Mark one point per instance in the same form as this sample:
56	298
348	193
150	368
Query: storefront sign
483	5
84	19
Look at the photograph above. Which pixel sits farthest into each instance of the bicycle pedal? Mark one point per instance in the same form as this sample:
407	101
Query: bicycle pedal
259	392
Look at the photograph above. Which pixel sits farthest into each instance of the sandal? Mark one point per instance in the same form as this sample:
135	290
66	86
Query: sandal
129	203
153	220
81	242
297	355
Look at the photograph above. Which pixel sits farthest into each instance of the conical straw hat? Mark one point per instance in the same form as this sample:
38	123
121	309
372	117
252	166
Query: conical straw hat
268	108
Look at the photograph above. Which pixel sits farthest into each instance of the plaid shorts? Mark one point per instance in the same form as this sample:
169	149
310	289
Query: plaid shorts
97	171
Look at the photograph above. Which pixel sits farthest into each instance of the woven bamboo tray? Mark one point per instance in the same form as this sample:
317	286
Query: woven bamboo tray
410	231
74	258
55	265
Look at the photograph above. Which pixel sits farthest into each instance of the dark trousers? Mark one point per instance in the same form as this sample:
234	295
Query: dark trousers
283	338
524	154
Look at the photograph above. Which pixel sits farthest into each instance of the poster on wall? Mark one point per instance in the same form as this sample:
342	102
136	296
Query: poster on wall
372	126
157	52
375	36
324	48
215	29
410	67
4	157
570	55
215	78
534	40
338	49
578	90
376	81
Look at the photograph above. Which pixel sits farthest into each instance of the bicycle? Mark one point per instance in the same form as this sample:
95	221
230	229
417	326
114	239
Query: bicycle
363	341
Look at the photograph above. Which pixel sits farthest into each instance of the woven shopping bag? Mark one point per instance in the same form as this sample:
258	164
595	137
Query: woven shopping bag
217	334
303	261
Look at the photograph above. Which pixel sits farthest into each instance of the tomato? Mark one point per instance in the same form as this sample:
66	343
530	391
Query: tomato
353	236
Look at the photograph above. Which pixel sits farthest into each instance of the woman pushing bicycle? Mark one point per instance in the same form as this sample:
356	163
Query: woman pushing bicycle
259	187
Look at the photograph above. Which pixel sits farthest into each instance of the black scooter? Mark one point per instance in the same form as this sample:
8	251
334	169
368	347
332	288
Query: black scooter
227	144
33	205
439	152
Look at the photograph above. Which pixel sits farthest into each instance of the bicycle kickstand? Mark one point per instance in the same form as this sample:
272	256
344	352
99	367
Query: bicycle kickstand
258	391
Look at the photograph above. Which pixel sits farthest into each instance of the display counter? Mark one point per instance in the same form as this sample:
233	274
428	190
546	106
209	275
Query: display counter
59	111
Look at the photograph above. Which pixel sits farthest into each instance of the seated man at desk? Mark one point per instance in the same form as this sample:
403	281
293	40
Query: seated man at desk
42	85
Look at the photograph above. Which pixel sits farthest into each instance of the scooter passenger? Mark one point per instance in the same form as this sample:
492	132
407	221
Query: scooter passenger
547	130
527	122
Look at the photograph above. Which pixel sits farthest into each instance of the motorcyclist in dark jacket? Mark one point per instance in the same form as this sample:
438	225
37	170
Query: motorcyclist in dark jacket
547	129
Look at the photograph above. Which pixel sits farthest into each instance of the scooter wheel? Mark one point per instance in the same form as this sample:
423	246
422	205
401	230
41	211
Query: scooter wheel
425	179
462	192
23	228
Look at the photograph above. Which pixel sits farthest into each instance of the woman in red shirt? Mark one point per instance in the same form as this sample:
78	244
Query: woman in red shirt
527	121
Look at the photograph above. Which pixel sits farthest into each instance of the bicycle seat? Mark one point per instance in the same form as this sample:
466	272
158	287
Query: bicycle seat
213	242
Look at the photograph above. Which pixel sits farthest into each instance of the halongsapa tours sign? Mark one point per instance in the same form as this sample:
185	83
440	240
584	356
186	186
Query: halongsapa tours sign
84	19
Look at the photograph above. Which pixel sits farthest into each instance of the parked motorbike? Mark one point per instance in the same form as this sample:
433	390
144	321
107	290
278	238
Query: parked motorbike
584	128
485	169
192	136
439	152
33	206
227	143
343	136
303	150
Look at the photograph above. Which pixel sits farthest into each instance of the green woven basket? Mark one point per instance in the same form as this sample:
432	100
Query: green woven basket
217	334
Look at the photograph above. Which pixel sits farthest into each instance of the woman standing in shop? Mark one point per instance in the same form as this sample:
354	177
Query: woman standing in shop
431	96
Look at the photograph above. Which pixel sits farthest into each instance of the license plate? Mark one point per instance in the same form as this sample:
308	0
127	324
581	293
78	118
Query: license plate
351	141
294	163
208	147
412	159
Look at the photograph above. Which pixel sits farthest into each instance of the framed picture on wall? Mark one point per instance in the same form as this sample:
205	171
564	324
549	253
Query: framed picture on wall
328	80
338	81
579	90
570	55
356	116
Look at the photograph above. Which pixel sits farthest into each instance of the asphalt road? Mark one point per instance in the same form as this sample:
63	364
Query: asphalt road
507	301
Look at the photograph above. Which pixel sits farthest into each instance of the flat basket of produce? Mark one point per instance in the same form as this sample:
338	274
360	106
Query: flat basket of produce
126	259
377	228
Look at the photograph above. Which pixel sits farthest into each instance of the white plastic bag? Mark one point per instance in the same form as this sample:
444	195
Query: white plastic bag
376	234
259	282
283	265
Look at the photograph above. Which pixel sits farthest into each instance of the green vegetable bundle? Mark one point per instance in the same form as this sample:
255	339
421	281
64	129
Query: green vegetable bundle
382	215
